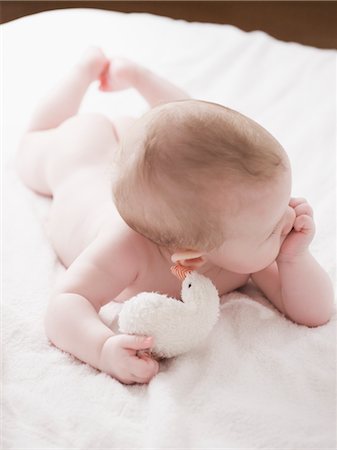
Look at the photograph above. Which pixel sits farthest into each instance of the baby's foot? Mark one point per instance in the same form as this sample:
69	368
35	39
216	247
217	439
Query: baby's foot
94	62
120	74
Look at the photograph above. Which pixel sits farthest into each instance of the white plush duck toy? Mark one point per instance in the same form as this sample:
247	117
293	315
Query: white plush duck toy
176	325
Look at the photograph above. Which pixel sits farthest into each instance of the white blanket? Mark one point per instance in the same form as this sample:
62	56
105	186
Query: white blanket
261	381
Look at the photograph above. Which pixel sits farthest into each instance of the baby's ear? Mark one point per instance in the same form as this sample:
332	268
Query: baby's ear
189	258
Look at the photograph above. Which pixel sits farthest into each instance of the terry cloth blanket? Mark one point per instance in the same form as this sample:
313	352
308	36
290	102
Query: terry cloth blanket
261	381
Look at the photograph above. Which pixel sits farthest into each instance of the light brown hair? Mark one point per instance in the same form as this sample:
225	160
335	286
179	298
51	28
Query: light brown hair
176	186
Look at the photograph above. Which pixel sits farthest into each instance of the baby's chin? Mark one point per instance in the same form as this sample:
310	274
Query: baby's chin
244	267
256	266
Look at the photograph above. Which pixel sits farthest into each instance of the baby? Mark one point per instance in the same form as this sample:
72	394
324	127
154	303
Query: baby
190	182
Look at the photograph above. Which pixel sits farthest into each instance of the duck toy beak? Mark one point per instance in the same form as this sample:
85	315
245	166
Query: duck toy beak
180	271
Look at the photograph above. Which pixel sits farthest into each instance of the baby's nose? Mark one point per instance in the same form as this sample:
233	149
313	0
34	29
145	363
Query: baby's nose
289	221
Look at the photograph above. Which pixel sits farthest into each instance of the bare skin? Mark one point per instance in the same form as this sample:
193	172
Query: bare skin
69	157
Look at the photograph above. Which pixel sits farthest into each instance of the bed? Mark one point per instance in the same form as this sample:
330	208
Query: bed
261	381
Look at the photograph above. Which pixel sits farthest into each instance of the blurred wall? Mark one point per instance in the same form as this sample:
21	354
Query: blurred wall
308	22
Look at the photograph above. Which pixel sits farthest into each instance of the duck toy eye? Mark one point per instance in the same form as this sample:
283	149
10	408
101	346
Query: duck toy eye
189	285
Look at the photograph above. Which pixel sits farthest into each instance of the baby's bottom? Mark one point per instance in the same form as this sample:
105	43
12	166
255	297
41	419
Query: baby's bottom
80	182
67	156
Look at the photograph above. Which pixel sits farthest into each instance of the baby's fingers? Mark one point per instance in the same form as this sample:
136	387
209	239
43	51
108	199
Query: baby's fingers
135	343
304	209
295	201
144	369
304	224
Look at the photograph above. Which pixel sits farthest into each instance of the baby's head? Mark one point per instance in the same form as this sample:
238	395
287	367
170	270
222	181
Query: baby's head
205	183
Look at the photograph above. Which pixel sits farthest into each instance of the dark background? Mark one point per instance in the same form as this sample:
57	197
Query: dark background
308	22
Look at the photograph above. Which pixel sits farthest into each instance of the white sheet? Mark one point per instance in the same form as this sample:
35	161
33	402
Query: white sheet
261	381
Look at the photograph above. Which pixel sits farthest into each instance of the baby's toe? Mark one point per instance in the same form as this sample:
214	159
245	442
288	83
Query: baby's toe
122	74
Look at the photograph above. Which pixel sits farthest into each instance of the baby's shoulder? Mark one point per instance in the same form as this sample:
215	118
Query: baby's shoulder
120	245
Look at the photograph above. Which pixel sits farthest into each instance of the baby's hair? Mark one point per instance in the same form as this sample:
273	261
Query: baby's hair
174	188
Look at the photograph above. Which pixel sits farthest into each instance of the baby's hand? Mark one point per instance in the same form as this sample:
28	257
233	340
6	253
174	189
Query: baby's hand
122	359
302	233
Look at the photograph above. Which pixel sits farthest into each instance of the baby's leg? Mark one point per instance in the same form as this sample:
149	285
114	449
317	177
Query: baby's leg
64	101
122	74
157	90
43	139
46	140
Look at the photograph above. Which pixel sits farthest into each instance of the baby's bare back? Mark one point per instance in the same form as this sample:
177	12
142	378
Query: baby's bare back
76	221
82	211
79	208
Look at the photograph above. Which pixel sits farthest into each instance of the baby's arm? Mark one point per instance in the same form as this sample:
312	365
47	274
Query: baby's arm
72	323
296	284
